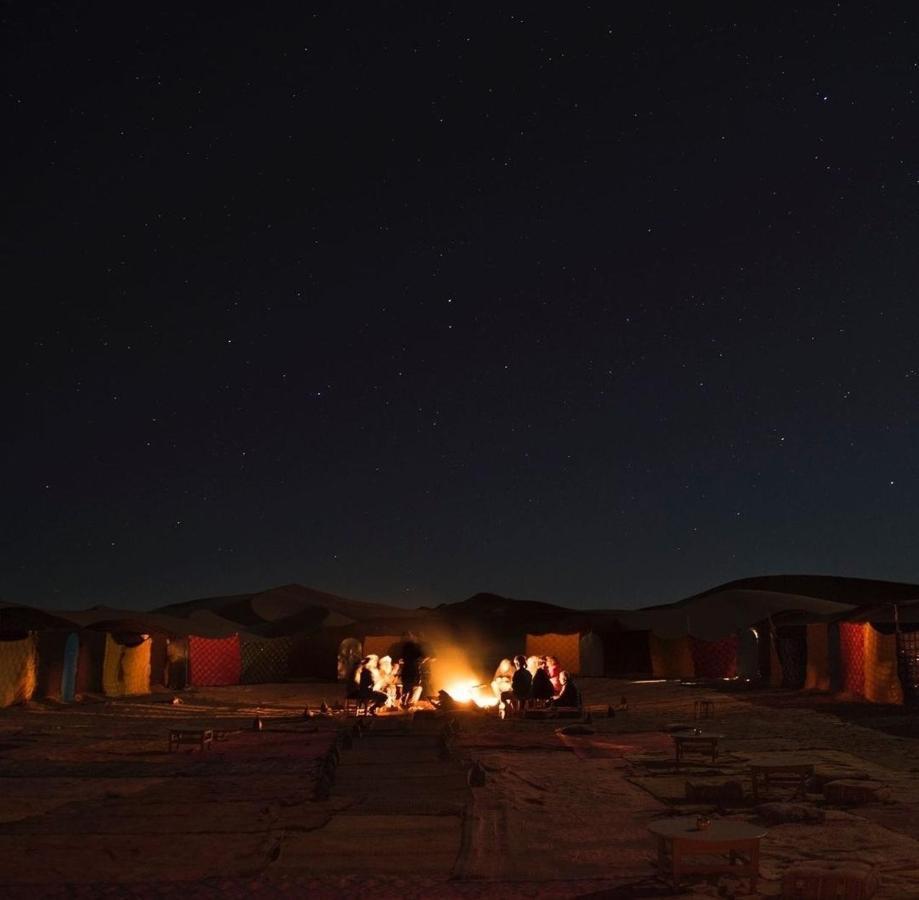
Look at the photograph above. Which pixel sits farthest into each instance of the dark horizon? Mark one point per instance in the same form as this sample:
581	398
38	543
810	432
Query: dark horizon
601	309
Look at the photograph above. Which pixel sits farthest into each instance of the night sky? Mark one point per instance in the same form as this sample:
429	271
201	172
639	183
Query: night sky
568	303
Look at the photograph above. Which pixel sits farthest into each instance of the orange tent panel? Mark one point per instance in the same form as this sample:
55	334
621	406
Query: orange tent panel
566	648
882	684
18	670
818	658
671	658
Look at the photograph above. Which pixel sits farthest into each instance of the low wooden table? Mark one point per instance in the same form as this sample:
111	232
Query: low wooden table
201	737
788	774
678	839
703	742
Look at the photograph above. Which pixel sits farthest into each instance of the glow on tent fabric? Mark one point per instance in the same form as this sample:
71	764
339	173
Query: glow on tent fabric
566	648
671	657
852	657
214	661
775	664
715	659
818	658
380	644
18	670
126	670
882	683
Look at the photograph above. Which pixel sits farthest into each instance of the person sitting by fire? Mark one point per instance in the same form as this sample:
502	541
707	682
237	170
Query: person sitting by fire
366	692
501	683
570	696
542	691
554	669
521	685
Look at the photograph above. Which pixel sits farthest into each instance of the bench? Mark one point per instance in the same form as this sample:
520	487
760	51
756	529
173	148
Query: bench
785	774
202	738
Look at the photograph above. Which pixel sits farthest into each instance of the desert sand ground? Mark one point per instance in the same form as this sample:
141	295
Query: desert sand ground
92	803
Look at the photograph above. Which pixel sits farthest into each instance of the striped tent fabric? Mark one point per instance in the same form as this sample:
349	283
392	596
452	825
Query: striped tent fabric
908	666
266	660
214	661
852	657
18	670
126	668
715	659
817	677
791	647
882	684
566	648
671	657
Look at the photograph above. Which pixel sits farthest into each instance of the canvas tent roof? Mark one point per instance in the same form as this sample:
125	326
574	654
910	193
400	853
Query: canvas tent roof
103	618
715	615
17	617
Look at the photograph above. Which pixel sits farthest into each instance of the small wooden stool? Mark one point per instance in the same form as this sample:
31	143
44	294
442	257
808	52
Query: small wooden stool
200	737
688	741
703	709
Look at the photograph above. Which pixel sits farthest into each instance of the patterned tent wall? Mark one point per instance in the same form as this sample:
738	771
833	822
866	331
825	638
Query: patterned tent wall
852	658
882	685
566	648
214	661
715	659
266	660
908	666
126	669
18	670
770	668
791	648
818	667
671	657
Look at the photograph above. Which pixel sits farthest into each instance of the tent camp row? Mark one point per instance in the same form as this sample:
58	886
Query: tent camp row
855	638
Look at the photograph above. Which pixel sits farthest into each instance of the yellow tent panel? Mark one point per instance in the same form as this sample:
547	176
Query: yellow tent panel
671	657
566	648
882	684
18	670
818	667
126	670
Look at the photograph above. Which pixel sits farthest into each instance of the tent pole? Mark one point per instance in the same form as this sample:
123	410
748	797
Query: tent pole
896	617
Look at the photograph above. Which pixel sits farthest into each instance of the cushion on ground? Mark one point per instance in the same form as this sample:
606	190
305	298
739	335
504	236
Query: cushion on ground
828	880
780	813
853	793
823	775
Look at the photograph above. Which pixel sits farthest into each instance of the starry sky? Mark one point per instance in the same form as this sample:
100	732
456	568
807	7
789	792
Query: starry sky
596	305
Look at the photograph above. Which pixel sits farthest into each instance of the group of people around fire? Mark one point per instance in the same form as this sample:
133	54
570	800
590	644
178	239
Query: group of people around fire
536	679
379	681
397	680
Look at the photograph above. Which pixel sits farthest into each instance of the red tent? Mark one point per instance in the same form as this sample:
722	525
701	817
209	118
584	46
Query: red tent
214	661
715	659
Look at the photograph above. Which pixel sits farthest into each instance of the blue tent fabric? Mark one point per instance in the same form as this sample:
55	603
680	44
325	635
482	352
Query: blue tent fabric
266	659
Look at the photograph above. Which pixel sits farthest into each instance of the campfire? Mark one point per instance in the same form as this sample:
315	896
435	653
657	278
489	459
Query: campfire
468	690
